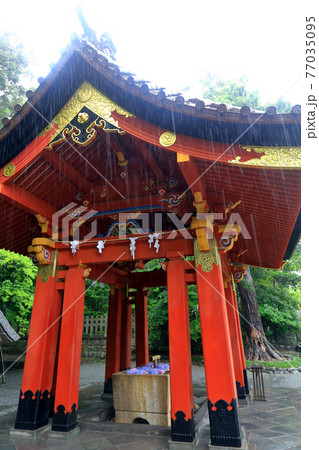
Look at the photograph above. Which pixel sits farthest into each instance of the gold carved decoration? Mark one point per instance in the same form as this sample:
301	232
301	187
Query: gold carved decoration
206	259
45	271
94	100
167	139
284	157
9	170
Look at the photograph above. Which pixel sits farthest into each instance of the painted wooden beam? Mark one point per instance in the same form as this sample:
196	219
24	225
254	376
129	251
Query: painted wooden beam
24	159
25	201
147	155
66	170
191	174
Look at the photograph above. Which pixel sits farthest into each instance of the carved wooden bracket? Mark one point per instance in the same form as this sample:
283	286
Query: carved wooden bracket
226	236
201	226
238	271
44	224
42	247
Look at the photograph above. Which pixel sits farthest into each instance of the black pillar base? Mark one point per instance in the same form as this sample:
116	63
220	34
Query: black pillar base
64	421
33	410
51	411
246	382
183	430
241	391
224	424
108	387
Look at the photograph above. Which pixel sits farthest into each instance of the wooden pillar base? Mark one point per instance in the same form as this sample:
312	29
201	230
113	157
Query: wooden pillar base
183	430
219	415
244	444
108	387
64	421
33	410
241	391
175	445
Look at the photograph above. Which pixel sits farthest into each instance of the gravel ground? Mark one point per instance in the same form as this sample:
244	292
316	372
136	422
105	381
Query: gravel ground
93	373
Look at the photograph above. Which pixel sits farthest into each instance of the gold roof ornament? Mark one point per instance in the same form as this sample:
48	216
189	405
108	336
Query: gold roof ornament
9	170
167	139
283	157
92	99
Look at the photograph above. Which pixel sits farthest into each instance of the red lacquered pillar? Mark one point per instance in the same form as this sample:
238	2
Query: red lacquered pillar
126	335
113	339
236	352
141	328
182	414
240	339
69	360
34	401
219	371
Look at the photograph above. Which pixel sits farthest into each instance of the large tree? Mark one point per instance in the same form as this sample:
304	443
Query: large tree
235	92
13	64
270	300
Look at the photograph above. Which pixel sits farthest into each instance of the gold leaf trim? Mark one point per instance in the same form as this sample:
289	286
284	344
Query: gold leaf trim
286	157
206	259
94	100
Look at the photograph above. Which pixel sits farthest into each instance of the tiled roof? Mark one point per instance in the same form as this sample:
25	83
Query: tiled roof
171	100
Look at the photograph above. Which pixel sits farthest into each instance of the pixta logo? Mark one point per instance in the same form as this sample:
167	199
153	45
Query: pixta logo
73	216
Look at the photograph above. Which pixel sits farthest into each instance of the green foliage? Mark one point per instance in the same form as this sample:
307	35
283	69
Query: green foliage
279	297
158	320
13	63
96	298
234	92
17	283
158	316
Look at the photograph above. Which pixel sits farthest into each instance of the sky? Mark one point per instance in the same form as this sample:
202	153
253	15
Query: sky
175	44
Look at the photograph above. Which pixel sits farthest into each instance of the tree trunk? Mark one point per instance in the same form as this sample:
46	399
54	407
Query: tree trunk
257	347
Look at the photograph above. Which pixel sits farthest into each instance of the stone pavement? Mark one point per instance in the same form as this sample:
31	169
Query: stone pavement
273	424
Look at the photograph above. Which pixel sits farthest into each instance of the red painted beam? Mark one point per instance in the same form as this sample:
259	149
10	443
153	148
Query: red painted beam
105	274
198	148
192	176
117	249
145	151
28	155
26	201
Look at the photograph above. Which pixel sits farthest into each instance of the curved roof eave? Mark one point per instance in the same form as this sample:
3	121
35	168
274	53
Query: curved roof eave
83	62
